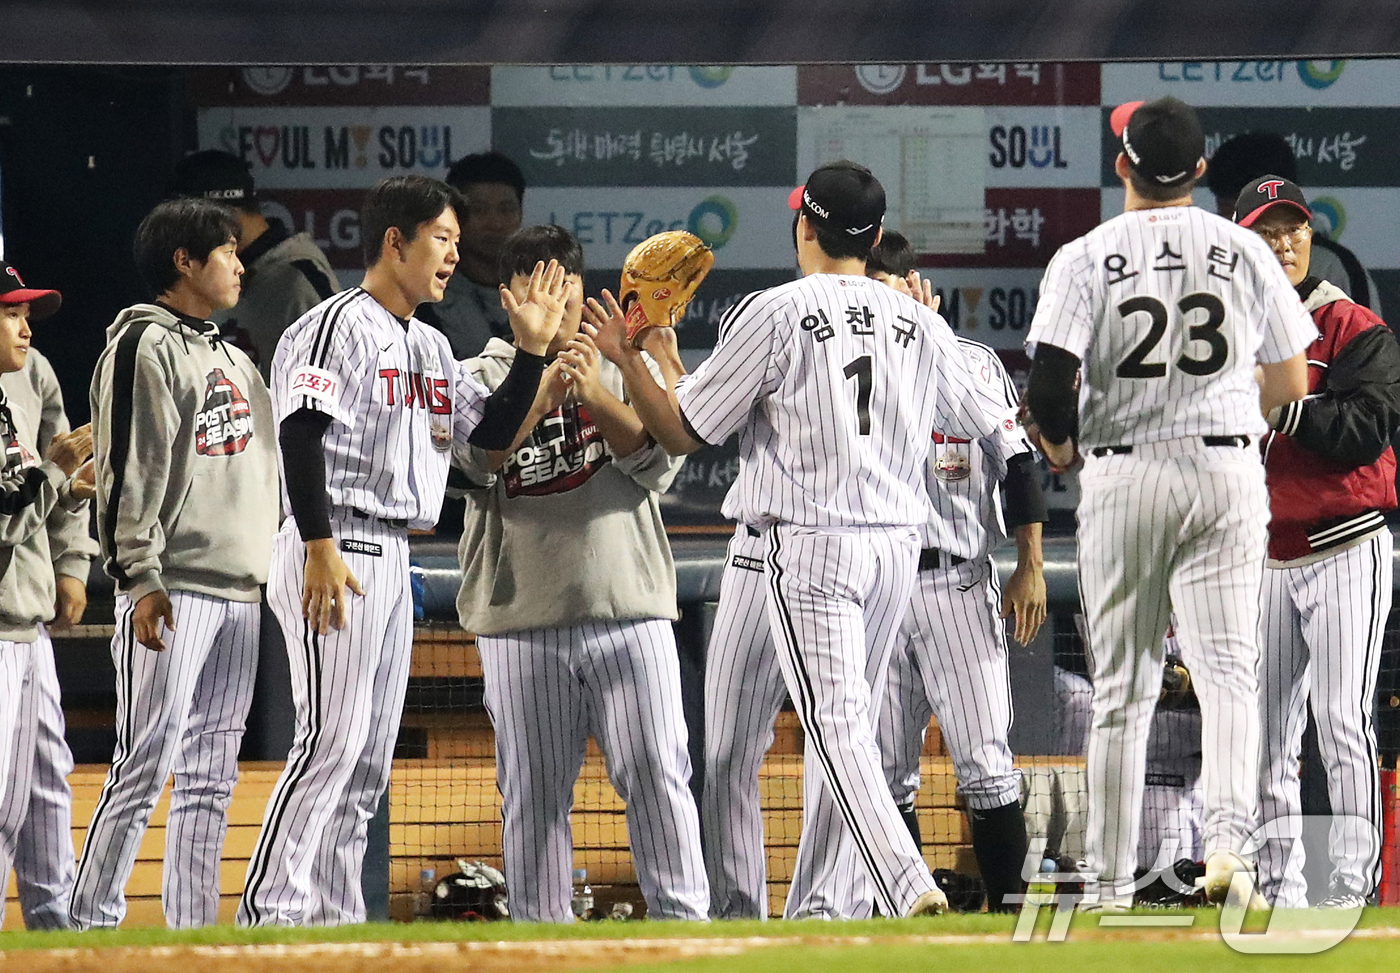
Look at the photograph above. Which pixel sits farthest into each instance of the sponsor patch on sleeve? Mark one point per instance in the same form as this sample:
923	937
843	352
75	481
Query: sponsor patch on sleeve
315	383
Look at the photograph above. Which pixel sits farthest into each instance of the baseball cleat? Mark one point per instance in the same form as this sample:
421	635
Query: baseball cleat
1342	898
931	903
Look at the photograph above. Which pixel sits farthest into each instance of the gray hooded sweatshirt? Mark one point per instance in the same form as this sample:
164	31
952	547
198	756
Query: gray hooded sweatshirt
565	532
186	459
35	390
35	503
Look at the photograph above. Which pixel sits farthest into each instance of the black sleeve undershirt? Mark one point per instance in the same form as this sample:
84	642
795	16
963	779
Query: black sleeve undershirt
304	465
1050	394
1022	500
510	404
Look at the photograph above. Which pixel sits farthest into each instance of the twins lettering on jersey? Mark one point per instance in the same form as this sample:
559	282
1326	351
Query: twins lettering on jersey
224	424
414	390
562	453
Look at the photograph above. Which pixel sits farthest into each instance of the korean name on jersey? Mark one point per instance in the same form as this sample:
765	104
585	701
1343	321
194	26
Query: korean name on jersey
1167	309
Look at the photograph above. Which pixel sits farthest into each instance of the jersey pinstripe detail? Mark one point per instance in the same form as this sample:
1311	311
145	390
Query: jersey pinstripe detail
1168	309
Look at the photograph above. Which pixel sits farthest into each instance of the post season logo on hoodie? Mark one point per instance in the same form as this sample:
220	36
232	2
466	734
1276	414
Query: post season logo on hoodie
224	424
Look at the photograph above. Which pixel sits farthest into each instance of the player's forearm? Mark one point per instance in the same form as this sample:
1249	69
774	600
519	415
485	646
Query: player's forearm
496	458
656	408
304	469
510	405
1030	555
1284	382
619	425
1050	394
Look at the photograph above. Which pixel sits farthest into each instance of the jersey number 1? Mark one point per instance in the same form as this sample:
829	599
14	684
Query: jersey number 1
860	371
1135	365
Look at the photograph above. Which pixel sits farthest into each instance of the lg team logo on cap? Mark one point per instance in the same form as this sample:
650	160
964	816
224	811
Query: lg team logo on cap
881	79
1271	187
15	274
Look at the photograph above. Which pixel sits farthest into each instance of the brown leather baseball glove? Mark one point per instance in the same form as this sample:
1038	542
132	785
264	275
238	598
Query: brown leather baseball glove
659	277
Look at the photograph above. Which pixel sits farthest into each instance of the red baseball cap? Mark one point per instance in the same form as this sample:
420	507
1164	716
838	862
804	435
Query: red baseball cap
41	303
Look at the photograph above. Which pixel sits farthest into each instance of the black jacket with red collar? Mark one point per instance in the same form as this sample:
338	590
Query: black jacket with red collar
1330	466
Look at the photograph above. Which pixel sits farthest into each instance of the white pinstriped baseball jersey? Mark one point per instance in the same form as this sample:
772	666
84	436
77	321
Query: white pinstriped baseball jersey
844	376
1168	309
963	476
397	399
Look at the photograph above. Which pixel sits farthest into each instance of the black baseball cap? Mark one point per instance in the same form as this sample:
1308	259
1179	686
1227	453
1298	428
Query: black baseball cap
1267	191
1162	139
843	197
41	303
214	175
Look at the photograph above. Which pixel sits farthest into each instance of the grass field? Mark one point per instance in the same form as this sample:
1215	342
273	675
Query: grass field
960	942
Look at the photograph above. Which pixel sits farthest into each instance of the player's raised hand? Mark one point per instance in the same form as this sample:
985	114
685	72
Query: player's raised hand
609	325
581	362
921	290
1025	598
151	612
554	388
71	450
535	320
326	586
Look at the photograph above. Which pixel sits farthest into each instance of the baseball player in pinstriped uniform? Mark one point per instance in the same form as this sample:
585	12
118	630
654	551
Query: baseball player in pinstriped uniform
838	381
36	812
570	643
368	403
744	688
1167	308
950	658
1327	583
184	461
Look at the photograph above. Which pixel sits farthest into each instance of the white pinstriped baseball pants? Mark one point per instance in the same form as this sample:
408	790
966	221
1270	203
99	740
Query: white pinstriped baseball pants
36	810
348	688
950	661
835	600
744	692
1174	526
546	690
182	711
1323	626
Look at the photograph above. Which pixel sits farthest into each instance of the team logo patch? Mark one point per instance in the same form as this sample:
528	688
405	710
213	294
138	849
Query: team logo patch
747	563
224	424
351	546
951	465
561	454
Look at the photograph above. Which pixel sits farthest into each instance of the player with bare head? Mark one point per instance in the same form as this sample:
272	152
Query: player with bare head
368	402
834	383
1166	310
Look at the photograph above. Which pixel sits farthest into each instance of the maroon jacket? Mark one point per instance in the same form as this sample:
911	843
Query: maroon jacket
1329	463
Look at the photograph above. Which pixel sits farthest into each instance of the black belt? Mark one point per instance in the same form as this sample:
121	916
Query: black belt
1240	441
753	531
398	523
931	559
